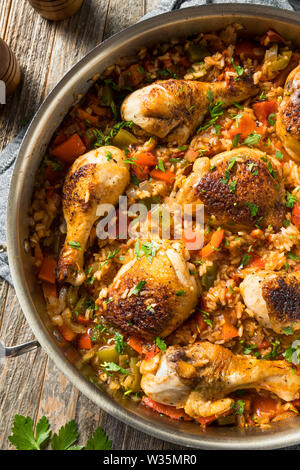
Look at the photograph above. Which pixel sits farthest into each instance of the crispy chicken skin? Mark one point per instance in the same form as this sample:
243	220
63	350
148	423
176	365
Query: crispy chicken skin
199	377
288	118
94	178
167	298
240	188
172	109
274	297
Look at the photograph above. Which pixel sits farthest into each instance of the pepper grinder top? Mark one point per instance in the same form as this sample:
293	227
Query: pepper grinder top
56	10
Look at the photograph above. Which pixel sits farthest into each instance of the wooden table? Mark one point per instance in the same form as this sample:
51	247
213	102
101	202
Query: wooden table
31	385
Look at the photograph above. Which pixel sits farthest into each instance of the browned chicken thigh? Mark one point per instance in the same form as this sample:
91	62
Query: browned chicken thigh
288	119
150	299
274	297
199	377
172	109
241	188
98	177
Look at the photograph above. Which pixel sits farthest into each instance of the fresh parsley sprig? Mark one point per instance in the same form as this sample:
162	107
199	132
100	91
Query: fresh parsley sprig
24	438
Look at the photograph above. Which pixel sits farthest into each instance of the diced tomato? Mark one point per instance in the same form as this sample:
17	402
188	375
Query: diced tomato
258	262
191	155
244	126
201	325
145	158
69	150
47	270
87	117
170	411
67	333
229	331
263	345
296	214
214	243
249	49
82	319
136	74
84	341
60	138
49	290
167	176
297	268
136	344
206	420
265	406
263	109
152	352
141	172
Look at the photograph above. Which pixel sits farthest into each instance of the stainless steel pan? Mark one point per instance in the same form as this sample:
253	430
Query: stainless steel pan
257	19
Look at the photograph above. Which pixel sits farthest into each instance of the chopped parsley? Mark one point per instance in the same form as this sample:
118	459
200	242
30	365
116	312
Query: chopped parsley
238	407
290	200
245	260
253	208
288	330
119	342
278	155
160	343
137	289
75	245
238	69
252	139
113	367
179	293
272	119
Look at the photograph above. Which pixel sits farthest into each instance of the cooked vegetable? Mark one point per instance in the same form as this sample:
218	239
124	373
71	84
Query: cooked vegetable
214	243
69	150
67	333
296	214
124	139
263	109
229	331
167	176
197	52
108	354
84	341
47	270
210	276
170	411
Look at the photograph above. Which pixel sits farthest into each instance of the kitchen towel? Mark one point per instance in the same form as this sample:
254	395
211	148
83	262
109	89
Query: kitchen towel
9	154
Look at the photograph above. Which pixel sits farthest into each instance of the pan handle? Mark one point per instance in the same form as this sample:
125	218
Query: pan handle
17	350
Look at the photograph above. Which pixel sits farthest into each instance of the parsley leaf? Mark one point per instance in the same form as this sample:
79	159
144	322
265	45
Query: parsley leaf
288	330
22	433
238	68
238	407
236	139
290	200
113	367
119	342
253	208
252	139
160	343
66	436
75	245
98	441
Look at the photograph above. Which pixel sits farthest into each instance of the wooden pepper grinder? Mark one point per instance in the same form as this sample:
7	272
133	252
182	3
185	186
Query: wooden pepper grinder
56	10
10	72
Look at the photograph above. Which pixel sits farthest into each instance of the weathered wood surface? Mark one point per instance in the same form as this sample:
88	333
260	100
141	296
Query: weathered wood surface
31	384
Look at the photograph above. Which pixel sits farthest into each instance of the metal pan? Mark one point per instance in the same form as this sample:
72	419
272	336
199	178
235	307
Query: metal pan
257	20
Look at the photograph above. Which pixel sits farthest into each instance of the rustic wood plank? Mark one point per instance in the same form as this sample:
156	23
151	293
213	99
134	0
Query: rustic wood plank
75	37
20	378
4	15
122	14
31	38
